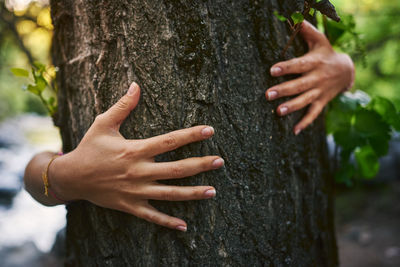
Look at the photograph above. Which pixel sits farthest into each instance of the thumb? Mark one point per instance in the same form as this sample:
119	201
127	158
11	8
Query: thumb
312	35
115	115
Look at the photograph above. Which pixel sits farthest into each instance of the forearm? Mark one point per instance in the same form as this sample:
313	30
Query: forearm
33	179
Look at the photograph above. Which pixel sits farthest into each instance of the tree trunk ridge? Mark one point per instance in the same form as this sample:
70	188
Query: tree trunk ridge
197	62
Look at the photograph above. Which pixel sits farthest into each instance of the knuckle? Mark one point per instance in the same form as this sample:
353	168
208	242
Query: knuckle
170	141
135	149
169	224
151	217
326	75
302	85
169	195
123	104
317	60
309	97
177	171
128	153
206	163
197	193
313	95
302	62
140	148
132	173
195	133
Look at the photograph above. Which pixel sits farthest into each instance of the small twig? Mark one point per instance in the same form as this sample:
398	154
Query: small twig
289	43
295	28
290	25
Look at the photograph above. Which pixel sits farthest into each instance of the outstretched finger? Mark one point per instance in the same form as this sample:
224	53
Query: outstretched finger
313	112
299	102
115	115
295	66
150	214
178	193
292	87
182	168
171	141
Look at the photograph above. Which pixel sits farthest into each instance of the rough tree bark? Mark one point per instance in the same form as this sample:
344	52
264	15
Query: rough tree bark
197	62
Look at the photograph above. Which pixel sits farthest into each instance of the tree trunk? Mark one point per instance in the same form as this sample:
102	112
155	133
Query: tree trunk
197	62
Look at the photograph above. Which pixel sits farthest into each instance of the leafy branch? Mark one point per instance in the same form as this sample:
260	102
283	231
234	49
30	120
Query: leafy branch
362	128
41	79
296	18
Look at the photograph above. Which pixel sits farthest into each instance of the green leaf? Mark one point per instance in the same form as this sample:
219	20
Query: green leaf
380	144
340	113
279	16
367	161
297	17
334	30
39	66
387	110
347	103
349	139
20	72
41	83
33	89
369	123
370	126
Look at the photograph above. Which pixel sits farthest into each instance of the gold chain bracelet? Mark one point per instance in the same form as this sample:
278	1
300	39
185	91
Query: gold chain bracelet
45	176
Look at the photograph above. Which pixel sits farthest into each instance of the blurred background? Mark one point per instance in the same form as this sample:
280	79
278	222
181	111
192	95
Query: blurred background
367	211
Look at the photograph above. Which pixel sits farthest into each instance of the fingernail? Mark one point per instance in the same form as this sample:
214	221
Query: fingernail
132	88
208	131
272	95
210	193
218	163
283	110
276	70
297	131
181	228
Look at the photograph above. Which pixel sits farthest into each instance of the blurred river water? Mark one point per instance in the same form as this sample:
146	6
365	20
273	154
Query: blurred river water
22	220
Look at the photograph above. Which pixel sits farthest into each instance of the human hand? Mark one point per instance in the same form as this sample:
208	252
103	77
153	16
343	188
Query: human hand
113	172
325	73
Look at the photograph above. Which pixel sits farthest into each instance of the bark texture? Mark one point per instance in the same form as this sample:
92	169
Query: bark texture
197	62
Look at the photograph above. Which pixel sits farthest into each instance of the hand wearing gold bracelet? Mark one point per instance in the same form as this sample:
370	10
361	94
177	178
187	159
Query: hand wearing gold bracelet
113	172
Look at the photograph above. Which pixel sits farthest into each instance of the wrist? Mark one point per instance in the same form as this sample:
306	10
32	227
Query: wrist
60	187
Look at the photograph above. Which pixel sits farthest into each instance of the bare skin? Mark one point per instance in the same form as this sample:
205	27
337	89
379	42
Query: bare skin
113	172
324	74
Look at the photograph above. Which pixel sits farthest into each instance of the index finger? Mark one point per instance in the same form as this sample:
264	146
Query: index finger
296	65
171	141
